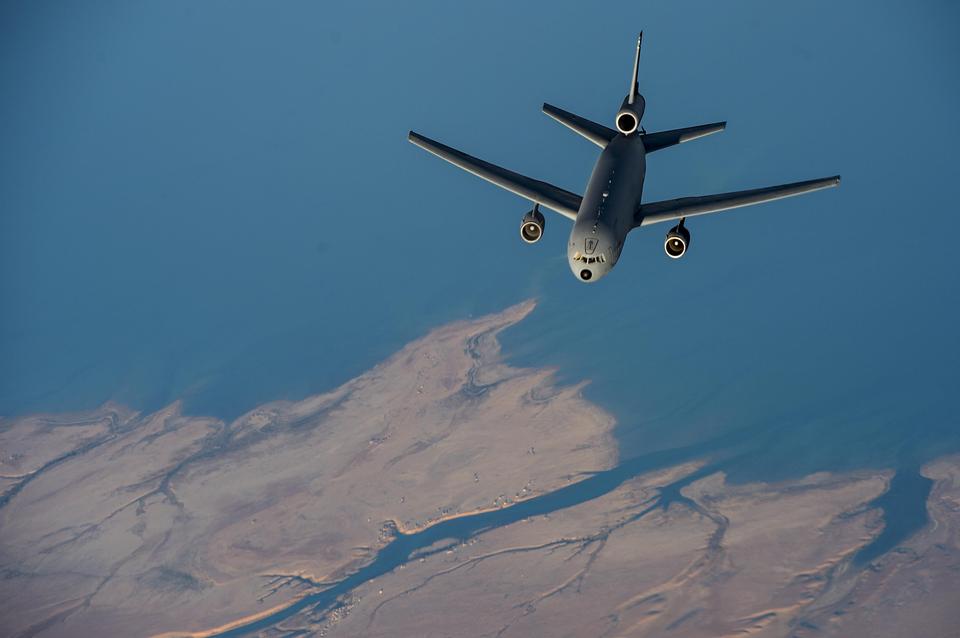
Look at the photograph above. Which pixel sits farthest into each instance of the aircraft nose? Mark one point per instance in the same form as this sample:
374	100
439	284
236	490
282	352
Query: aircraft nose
591	253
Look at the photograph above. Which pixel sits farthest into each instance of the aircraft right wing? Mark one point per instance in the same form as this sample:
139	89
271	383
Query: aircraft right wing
553	197
672	209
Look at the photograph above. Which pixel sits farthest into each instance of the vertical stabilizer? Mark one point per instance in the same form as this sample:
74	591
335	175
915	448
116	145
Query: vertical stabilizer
634	86
631	109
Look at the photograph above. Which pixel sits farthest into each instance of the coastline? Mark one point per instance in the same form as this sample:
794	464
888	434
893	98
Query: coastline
442	460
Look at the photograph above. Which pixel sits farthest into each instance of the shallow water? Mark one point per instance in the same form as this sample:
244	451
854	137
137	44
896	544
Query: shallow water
904	508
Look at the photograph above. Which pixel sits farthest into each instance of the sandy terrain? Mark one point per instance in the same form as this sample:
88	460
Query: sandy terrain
748	560
911	591
114	523
723	561
124	524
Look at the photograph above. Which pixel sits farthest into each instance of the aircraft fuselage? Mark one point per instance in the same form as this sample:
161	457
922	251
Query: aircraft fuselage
611	205
607	211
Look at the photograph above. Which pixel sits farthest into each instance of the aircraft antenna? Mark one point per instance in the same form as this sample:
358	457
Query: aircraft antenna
636	70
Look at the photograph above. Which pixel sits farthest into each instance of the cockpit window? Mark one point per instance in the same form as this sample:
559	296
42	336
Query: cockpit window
597	259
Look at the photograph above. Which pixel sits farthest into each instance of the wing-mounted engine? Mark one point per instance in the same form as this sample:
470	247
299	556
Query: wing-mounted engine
631	111
531	228
677	241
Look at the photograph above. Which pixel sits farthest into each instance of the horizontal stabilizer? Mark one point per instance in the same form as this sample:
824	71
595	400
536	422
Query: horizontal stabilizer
553	197
670	210
655	141
596	133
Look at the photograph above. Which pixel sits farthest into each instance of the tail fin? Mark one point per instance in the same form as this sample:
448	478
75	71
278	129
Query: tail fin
635	86
631	109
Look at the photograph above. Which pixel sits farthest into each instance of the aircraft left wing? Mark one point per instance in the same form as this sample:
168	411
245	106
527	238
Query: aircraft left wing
672	209
548	195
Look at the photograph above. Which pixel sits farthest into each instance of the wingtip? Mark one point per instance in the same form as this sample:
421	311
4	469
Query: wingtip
424	142
827	182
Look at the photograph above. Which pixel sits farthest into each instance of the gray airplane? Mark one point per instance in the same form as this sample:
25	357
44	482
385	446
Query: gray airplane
610	208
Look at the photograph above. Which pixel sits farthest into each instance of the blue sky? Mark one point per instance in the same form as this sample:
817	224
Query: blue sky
216	201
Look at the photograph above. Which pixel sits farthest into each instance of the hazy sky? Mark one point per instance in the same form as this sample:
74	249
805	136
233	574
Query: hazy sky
217	201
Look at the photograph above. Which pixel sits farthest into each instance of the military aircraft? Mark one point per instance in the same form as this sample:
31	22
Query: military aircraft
611	207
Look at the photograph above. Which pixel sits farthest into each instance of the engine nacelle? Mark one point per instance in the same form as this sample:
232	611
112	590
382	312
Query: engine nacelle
629	115
531	228
677	241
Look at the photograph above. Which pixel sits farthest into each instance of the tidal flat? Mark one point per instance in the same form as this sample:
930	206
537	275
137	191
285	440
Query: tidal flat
442	493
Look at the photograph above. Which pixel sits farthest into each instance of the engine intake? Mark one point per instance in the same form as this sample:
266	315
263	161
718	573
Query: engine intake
531	228
677	241
629	116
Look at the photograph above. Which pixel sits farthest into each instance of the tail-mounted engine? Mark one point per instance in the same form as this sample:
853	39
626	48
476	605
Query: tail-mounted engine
629	115
531	228
677	241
